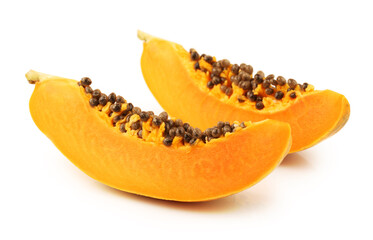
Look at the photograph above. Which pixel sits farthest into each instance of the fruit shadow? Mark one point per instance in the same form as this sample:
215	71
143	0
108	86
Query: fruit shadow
295	160
236	202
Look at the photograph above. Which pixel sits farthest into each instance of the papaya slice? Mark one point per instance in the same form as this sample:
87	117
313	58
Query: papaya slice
156	156
202	90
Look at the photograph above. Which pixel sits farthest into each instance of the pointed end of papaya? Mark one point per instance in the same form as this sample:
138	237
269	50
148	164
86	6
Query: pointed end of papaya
144	36
33	76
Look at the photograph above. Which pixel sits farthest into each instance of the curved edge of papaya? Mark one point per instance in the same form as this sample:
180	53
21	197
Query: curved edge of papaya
218	169
185	100
338	110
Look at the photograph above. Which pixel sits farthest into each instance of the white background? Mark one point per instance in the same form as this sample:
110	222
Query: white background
321	193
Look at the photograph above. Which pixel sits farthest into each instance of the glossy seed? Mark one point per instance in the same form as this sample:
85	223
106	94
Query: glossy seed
234	79
244	76
220	124
144	116
186	126
204	137
259	76
259	98
93	102
251	96
139	133
116	119
86	81
266	83
269	91
246	85
293	95
157	121
122	128
254	85
197	133
124	114
151	113
136	110
190	129
259	105
128	118
172	132
135	125
281	80
229	91
216	132
292	83
187	137
216	71
129	107
279	95
167	141
116	107
194	56
225	63
242	125
192	141
216	80
216	64
210	85
196	66
273	82
166	128
208	132
180	131
171	123
120	99
103	99
163	116
226	128
112	97
270	77
247	68
88	89
304	86
235	69
96	93
208	58
178	123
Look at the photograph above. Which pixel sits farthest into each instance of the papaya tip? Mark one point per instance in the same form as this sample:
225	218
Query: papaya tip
32	77
144	36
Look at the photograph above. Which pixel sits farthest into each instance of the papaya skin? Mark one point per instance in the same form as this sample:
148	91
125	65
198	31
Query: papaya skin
168	72
219	168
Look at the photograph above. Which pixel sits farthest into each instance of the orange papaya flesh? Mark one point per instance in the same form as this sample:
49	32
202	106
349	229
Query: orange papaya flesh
183	90
201	171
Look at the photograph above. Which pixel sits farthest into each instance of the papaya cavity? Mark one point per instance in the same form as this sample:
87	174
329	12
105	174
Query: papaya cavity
137	151
202	90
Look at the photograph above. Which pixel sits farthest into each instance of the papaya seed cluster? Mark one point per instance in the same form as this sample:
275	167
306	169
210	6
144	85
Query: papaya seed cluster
243	76
123	113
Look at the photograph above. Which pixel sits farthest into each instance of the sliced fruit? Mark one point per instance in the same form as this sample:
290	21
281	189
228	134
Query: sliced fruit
136	151
202	90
